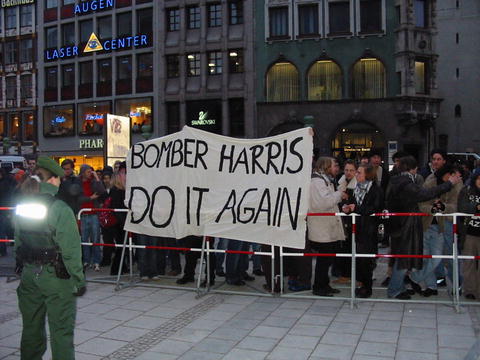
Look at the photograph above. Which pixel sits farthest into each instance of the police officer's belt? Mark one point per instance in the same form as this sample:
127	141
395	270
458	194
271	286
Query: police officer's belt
37	256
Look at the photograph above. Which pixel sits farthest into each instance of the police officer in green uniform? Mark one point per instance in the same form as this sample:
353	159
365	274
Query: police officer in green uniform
48	246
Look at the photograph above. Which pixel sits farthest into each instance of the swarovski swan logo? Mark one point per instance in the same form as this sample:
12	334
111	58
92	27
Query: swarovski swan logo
203	119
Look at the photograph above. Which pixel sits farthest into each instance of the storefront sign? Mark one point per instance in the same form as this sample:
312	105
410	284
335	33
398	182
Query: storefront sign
94	117
8	3
203	119
59	120
94	44
94	5
194	182
117	138
91	144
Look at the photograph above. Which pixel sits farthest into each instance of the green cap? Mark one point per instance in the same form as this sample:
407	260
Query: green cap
50	165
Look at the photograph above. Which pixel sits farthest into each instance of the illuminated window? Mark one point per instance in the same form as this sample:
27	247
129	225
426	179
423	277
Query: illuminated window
193	64
92	116
215	62
324	81
369	79
420	77
235	61
139	110
283	82
58	121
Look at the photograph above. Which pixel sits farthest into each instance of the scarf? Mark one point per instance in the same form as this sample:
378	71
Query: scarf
361	190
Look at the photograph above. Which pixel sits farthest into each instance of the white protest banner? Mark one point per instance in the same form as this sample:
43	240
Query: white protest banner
198	183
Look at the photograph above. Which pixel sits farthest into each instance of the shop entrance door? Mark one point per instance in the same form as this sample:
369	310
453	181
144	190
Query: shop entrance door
356	139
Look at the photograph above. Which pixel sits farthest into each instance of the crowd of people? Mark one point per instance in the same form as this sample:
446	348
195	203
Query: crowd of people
364	188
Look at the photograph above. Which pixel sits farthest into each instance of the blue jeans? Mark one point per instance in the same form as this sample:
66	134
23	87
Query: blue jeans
151	262
432	245
220	257
90	228
236	264
445	267
397	284
257	259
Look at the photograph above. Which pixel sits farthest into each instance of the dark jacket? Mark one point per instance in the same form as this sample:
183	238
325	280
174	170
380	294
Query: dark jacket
118	199
367	226
406	231
385	179
469	202
70	192
7	186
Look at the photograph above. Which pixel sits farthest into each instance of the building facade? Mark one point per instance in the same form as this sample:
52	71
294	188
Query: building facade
458	81
164	64
363	72
18	76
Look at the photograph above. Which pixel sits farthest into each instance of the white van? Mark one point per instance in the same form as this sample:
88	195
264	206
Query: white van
10	162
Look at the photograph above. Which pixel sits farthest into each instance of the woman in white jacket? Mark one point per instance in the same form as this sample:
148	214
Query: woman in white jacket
324	232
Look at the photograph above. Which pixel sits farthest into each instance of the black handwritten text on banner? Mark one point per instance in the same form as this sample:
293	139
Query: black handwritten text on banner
197	183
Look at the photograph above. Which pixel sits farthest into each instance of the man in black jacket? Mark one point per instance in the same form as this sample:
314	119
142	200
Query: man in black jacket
71	187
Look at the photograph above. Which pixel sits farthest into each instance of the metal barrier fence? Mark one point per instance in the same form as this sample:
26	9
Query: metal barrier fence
205	251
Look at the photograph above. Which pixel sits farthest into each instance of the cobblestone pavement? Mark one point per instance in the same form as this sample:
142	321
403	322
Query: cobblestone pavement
147	323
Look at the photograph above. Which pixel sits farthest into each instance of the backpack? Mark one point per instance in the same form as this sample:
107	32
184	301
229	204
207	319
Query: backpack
107	218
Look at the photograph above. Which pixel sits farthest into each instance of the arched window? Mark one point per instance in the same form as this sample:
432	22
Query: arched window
283	82
324	81
458	111
368	79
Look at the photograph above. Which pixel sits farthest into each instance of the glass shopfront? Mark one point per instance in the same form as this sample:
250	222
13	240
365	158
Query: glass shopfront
139	110
356	139
94	161
58	121
92	116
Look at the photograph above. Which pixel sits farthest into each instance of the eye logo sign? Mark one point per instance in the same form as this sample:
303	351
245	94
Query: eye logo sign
93	44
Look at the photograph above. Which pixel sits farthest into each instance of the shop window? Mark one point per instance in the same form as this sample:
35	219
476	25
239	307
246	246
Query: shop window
324	81
68	34
235	12
308	19
51	83
29	127
14	126
283	82
173	19
2	126
104	81
11	52
68	82
11	17
104	27
235	61
51	37
236	109
369	79
26	51
370	16
193	17
339	17
139	110
421	13
92	116
458	111
215	62
124	24
85	90
173	66
51	4
124	75
144	72
173	117
193	64
144	21
278	22
26	15
58	120
86	29
214	15
26	90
